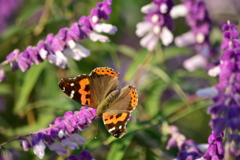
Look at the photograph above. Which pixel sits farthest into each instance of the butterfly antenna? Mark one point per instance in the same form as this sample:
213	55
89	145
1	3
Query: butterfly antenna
96	130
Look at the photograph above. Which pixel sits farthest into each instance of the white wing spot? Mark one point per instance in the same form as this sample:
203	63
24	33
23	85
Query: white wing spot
72	84
63	88
72	94
120	127
111	129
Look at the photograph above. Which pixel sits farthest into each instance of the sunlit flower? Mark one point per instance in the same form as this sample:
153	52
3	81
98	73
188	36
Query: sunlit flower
196	15
84	155
157	24
56	48
63	130
188	149
225	112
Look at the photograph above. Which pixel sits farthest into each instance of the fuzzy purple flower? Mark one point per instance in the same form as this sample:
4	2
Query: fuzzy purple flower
63	130
84	155
2	75
225	112
157	24
197	18
188	149
56	48
7	8
215	149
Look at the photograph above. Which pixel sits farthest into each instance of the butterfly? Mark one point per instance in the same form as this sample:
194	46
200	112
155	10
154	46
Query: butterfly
99	90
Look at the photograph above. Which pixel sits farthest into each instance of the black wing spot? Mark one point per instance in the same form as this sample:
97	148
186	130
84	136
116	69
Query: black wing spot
119	115
87	102
117	133
87	88
88	96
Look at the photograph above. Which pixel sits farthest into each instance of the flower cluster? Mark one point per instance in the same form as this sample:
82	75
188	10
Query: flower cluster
188	149
197	18
55	48
157	24
225	112
64	131
7	7
84	155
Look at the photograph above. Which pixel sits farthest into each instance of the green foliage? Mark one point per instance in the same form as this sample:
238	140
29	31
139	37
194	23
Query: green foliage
32	100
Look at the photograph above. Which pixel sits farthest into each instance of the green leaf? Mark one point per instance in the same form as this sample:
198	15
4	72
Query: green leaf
126	50
5	89
153	100
11	31
30	79
118	147
171	52
139	58
28	12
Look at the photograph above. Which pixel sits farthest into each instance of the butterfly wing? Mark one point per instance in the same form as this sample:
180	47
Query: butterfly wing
79	89
91	89
103	80
116	117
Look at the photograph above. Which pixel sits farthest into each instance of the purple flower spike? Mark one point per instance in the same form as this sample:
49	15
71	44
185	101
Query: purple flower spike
33	53
197	18
84	155
12	59
56	48
73	157
25	144
2	75
38	146
225	112
64	130
188	148
157	25
87	114
7	9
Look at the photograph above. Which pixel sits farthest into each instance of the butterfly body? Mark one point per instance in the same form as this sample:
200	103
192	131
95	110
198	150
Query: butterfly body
99	90
106	103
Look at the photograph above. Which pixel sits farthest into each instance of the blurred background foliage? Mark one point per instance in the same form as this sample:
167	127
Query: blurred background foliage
30	101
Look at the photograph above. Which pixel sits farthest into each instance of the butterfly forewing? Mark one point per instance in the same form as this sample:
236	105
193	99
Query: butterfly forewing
79	89
104	80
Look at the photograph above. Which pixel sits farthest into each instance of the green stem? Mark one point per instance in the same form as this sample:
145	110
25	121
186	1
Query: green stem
159	72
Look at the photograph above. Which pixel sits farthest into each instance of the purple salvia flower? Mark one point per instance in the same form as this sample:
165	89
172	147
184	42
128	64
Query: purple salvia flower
37	145
215	149
12	59
7	9
53	146
225	112
84	155
188	148
25	144
197	18
2	75
64	130
64	44
157	24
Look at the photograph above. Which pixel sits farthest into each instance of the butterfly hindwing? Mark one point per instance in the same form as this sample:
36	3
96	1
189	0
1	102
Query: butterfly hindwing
116	117
116	123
